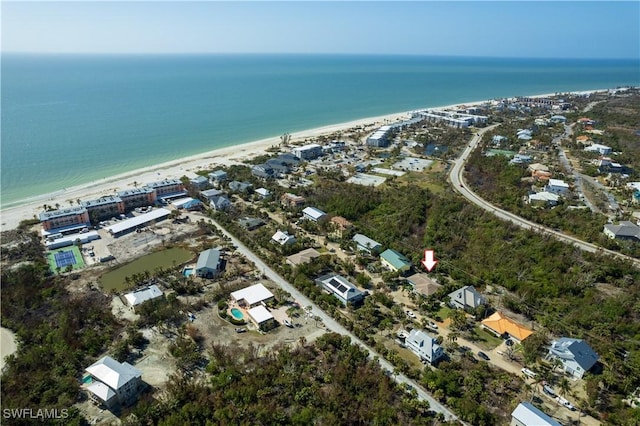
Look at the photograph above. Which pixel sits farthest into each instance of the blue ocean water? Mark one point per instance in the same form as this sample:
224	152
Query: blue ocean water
72	119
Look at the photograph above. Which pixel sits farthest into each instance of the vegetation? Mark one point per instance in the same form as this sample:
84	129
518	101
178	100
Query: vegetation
328	383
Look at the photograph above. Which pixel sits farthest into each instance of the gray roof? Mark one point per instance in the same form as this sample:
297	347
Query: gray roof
577	350
209	259
467	296
69	211
364	241
624	229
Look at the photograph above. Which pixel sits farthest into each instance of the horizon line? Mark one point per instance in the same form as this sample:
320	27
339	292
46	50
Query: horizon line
44	53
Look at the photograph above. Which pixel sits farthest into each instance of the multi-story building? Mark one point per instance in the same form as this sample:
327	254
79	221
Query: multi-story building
168	188
68	219
308	152
138	197
104	208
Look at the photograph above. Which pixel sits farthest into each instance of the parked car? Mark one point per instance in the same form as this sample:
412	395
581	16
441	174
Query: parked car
528	373
240	330
483	356
433	325
508	342
410	314
548	390
565	403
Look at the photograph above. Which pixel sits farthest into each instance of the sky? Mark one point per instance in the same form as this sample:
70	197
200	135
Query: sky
539	29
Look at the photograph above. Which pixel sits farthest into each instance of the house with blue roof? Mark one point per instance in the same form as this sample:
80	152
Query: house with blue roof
395	261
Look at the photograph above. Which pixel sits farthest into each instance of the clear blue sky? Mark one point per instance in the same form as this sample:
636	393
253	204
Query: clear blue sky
480	28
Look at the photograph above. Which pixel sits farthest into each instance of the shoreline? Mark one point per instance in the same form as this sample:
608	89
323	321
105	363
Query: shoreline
26	209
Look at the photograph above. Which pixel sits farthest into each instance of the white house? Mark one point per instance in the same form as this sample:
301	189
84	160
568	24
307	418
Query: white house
466	298
600	149
283	238
261	317
341	288
263	192
526	414
137	297
557	186
311	213
114	383
424	346
252	296
575	354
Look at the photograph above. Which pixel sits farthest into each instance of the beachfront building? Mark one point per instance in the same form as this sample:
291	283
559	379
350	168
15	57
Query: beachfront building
199	182
138	197
379	138
453	118
576	355
395	261
168	189
252	296
217	177
307	152
104	208
424	346
209	264
64	220
114	384
341	288
138	297
366	244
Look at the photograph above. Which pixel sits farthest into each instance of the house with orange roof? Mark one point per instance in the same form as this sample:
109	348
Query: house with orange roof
502	326
340	226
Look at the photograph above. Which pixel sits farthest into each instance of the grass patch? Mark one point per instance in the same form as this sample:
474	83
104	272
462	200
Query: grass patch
483	338
443	313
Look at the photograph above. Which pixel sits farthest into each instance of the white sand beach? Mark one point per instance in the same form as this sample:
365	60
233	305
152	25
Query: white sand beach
11	217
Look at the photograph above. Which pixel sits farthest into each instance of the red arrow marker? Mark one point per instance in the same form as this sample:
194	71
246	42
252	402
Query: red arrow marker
429	262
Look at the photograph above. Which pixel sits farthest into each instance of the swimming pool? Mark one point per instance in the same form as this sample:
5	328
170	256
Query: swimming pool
87	380
237	313
187	271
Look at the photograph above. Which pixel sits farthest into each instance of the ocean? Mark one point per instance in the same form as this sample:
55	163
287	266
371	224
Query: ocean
72	119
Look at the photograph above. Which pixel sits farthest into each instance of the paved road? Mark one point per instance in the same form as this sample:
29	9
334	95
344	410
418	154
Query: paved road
457	179
333	325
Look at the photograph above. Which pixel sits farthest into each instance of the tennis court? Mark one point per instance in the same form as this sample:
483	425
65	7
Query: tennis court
60	259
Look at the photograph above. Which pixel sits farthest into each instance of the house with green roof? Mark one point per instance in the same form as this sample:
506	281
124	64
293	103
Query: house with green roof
395	261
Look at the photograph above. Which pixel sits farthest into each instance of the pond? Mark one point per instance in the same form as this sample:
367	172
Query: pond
115	280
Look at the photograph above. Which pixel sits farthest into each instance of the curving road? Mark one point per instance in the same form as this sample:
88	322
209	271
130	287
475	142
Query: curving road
459	184
333	325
